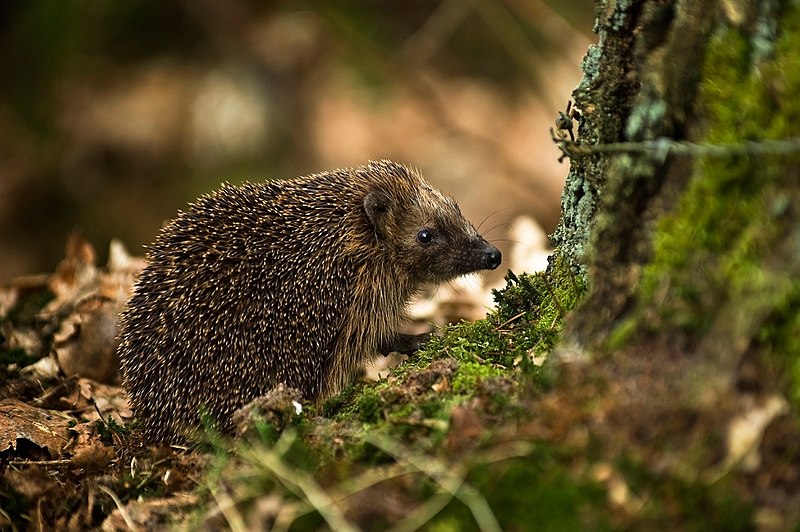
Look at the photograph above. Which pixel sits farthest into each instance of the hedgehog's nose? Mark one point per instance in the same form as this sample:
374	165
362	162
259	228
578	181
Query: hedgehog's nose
491	257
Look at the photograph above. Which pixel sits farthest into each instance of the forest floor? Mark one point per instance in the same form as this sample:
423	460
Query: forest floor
480	431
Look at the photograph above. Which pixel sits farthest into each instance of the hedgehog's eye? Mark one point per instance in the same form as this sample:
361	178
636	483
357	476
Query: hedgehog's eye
425	236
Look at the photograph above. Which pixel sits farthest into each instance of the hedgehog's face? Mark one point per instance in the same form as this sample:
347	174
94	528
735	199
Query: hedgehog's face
444	245
429	237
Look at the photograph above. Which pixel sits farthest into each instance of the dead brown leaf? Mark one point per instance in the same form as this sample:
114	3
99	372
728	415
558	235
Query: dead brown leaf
75	277
89	397
32	482
86	307
92	458
86	343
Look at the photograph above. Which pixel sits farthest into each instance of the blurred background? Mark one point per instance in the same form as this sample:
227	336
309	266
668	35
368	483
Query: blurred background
115	114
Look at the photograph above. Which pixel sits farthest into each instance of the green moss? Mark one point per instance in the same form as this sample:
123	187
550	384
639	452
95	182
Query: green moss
336	405
464	342
107	429
528	321
780	339
368	405
717	246
361	401
470	374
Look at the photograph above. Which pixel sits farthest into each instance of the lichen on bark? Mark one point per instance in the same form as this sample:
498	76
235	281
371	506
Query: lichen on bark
639	87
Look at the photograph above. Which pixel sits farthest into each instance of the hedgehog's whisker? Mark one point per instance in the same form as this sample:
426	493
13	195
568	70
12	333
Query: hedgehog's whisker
489	216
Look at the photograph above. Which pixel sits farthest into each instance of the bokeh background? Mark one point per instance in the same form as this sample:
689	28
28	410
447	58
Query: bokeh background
115	114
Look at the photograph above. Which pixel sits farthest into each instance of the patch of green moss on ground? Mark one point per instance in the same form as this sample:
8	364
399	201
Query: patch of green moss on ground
717	245
528	320
469	374
335	405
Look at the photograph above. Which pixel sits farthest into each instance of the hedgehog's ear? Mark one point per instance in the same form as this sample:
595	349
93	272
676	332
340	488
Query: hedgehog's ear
377	206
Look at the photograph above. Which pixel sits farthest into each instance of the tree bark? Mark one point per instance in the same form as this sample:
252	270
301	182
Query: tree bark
691	244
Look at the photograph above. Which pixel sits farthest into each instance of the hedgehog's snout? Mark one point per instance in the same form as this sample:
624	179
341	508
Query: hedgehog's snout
491	257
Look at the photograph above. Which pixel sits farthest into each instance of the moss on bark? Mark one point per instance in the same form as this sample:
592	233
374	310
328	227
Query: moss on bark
725	261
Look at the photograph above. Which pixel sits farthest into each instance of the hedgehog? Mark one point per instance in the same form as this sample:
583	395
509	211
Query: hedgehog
295	283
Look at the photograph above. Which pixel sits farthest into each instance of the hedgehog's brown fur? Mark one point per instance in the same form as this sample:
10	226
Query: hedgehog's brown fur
295	282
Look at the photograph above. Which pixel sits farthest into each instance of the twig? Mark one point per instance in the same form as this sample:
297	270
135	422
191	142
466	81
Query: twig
99	413
309	488
40	462
52	391
121	507
509	320
227	506
665	146
448	481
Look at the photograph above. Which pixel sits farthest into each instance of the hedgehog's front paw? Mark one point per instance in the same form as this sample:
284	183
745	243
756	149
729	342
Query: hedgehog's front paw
405	343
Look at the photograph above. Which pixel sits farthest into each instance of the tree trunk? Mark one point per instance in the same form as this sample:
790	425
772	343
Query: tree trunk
692	245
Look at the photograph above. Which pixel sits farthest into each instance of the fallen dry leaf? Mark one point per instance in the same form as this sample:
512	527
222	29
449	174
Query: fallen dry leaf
92	458
86	343
75	277
746	431
32	482
86	307
45	368
111	401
